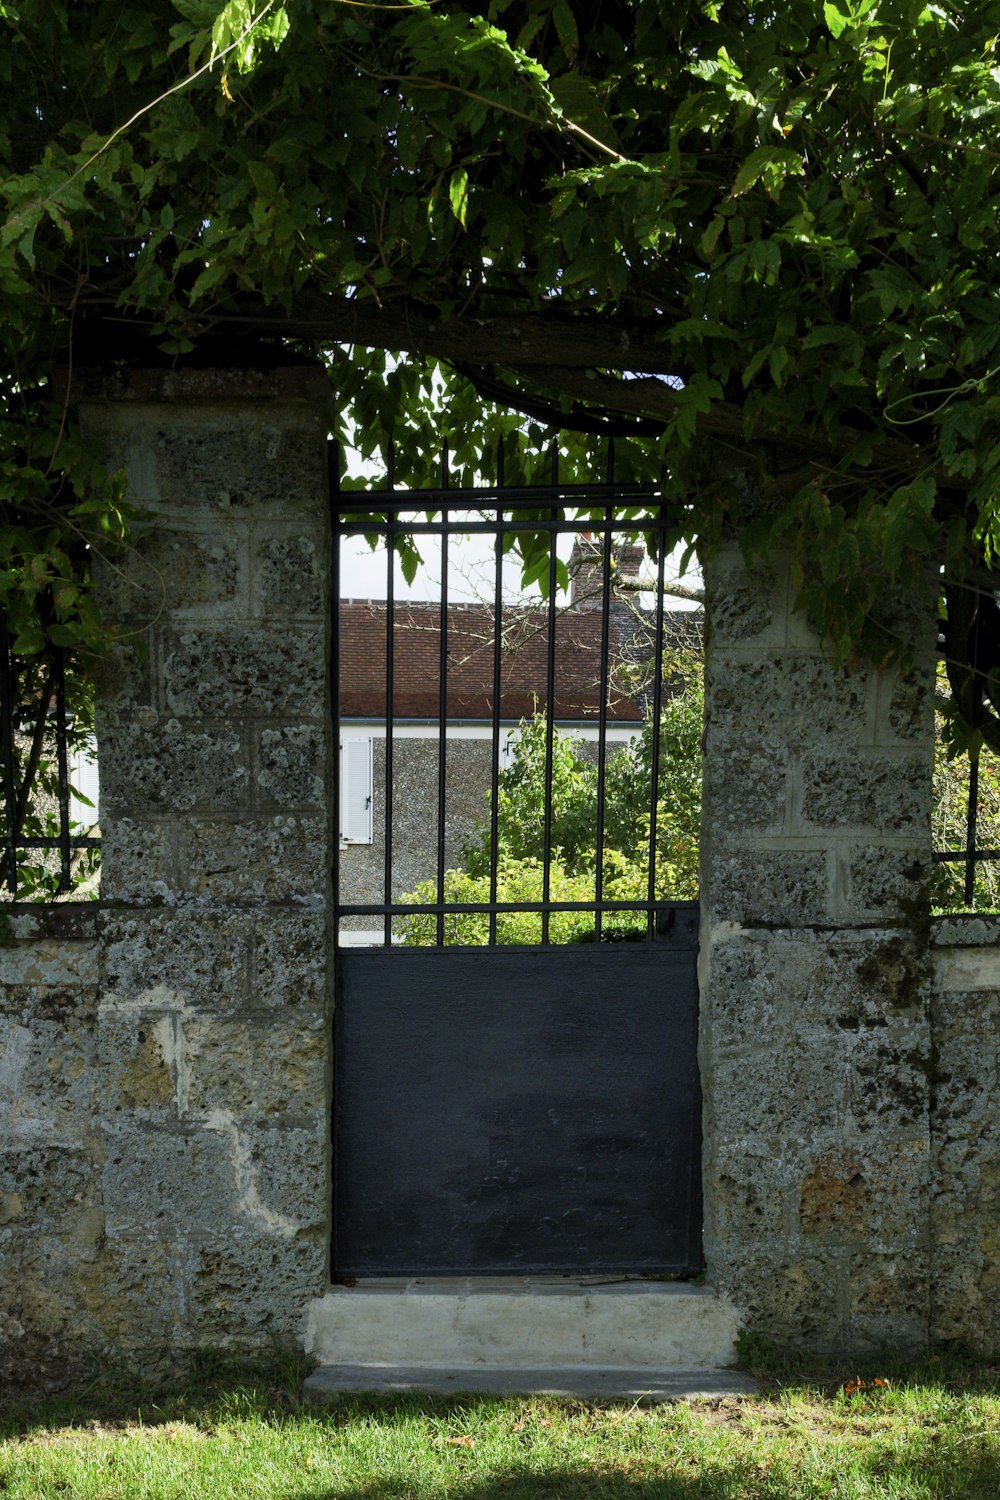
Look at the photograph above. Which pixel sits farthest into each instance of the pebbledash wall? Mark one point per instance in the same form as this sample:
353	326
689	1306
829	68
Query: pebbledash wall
164	1084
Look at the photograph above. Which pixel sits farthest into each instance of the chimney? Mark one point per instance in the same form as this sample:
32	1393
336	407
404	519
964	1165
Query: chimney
586	569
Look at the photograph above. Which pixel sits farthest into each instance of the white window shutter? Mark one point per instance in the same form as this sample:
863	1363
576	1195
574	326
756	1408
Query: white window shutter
356	791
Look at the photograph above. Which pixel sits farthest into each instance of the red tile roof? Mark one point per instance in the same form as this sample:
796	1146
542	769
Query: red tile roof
523	667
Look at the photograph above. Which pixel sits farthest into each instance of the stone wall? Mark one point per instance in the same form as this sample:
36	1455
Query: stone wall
55	1287
164	1084
965	1133
816	993
213	732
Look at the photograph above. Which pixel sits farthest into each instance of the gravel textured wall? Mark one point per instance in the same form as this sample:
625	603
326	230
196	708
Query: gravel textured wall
816	993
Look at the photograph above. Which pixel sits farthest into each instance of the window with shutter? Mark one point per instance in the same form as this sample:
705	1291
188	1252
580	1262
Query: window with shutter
356	791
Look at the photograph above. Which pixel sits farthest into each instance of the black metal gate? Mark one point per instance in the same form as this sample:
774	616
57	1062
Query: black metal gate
515	1076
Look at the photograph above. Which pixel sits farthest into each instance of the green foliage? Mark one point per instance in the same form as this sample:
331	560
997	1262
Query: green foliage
574	824
759	238
34	759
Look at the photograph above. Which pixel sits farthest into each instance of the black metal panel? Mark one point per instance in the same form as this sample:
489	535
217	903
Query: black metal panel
518	1110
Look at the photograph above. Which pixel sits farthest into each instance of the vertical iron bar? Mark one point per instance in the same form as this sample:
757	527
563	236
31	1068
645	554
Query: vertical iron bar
972	808
971	821
333	481
550	718
654	789
602	724
9	780
62	766
390	721
495	760
442	708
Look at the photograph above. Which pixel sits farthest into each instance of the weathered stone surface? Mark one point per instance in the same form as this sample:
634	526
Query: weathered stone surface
247	1288
162	766
878	882
220	673
222	1065
768	886
183	570
816	1043
280	857
292	961
886	794
139	864
175	959
290	572
787	700
965	1138
291	763
162	1183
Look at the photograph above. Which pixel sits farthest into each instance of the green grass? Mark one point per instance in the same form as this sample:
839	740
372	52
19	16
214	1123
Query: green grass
241	1431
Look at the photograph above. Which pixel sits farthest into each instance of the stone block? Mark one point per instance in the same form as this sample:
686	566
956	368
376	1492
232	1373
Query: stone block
889	1080
49	961
125	678
909	715
43	1187
176	570
791	1087
138	1061
139	864
291	766
271	858
262	1067
878	882
292	961
168	1185
751	1196
291	576
48	1082
231	673
889	1301
796	700
742	610
869	1195
745	784
249	1287
795	1299
165	767
776	887
289	1177
168	960
226	463
887	794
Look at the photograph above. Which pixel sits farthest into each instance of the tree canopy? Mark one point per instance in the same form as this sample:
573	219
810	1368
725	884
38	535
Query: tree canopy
761	233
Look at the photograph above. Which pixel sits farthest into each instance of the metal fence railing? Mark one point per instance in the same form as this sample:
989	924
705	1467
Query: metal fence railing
40	841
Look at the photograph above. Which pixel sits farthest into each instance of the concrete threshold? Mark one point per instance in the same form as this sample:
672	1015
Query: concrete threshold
540	1326
331	1383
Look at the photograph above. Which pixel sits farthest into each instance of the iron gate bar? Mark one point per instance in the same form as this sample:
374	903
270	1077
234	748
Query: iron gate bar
386	512
602	729
654	793
390	648
550	722
62	770
495	727
9	785
442	708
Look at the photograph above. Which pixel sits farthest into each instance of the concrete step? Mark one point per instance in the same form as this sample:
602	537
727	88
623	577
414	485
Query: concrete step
330	1383
511	1323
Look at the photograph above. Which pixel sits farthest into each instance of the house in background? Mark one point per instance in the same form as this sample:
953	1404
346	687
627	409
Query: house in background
470	679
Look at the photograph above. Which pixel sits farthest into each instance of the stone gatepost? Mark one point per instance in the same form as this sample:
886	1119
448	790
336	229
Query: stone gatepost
215	760
815	1033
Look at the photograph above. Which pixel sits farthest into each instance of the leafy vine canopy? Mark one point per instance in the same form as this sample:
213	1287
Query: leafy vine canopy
757	232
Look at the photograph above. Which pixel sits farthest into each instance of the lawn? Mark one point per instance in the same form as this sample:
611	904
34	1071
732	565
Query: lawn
242	1431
